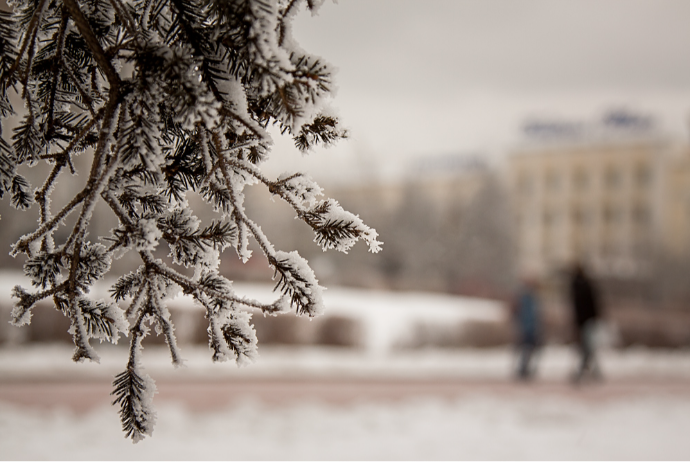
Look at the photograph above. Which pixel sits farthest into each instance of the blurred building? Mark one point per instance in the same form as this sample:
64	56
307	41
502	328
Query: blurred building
676	204
442	179
615	196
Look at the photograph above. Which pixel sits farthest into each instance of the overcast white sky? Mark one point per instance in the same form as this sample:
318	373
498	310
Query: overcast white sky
434	77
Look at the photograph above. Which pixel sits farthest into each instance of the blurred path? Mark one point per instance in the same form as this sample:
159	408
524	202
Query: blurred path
210	394
44	377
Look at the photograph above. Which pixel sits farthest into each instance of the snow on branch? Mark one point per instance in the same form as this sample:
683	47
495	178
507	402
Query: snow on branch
161	97
134	394
134	389
339	229
297	282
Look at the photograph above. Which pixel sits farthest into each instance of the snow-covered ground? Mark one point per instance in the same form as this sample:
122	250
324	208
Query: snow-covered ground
508	422
387	318
554	363
478	427
485	421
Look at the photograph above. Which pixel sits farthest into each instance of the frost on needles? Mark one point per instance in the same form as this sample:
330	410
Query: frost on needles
162	97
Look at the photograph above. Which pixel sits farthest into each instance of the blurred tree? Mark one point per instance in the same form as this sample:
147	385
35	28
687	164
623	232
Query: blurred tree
462	243
162	97
415	247
482	258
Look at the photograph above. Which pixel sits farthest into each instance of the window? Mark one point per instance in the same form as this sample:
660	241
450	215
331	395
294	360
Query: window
525	185
579	216
547	218
643	175
641	214
612	214
612	178
580	180
553	182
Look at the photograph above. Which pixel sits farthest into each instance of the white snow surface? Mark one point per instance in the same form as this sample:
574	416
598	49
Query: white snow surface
480	424
387	318
53	361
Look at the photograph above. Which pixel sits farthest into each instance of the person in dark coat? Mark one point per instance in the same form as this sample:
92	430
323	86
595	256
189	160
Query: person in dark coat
586	311
526	311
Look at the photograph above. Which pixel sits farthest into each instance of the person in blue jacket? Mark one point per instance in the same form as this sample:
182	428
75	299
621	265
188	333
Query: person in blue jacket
527	317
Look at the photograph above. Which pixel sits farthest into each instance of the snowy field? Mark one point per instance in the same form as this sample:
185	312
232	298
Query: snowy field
386	317
501	421
480	427
377	402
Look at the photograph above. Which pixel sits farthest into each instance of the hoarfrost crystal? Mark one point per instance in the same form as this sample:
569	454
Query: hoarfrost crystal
162	98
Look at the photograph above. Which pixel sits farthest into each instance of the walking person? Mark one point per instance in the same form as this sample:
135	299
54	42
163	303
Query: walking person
526	311
586	307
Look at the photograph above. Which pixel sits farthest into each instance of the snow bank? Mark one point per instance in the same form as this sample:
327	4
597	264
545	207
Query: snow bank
475	427
388	318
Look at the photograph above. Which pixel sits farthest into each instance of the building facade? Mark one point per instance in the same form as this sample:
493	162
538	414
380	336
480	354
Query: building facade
610	205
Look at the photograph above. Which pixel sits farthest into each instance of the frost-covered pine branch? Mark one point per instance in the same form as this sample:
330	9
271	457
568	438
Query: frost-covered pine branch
164	97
